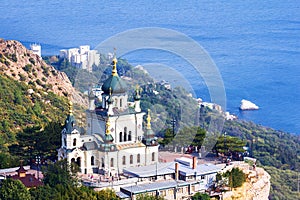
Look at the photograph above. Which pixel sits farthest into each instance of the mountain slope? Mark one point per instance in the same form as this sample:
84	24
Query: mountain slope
21	64
22	107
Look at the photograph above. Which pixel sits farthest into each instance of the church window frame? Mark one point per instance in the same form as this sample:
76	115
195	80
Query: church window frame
74	142
112	162
138	158
153	156
124	160
116	102
121	102
120	137
129	136
92	160
131	159
125	134
102	162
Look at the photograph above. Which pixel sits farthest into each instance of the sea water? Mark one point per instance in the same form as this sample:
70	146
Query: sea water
255	44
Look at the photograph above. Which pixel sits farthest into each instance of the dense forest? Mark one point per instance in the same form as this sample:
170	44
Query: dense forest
26	111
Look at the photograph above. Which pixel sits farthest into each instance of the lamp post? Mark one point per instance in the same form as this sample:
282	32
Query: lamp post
173	121
225	142
38	162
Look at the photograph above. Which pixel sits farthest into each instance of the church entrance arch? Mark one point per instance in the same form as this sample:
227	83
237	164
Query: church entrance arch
75	164
78	161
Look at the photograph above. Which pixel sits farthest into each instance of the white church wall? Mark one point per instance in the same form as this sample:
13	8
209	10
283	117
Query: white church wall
151	155
138	157
73	140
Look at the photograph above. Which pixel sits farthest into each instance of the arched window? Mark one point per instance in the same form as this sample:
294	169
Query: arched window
153	156
125	134
111	162
78	161
92	160
74	142
120	103
129	136
138	158
120	136
102	162
124	160
116	100
131	159
125	137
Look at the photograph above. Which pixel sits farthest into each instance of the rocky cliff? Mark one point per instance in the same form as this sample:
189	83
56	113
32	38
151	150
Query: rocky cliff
256	187
21	64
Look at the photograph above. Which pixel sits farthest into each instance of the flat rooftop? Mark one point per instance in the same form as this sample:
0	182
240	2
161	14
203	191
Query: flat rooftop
154	186
169	168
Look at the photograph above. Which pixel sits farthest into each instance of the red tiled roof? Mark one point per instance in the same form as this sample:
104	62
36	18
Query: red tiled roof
29	180
21	169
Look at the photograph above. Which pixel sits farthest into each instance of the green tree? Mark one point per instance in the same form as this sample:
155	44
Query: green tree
236	177
200	196
59	174
168	137
193	135
42	193
8	160
148	197
18	97
49	140
229	145
107	194
26	147
199	137
185	136
13	190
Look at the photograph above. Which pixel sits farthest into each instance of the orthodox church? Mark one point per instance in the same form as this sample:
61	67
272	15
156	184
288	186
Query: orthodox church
115	138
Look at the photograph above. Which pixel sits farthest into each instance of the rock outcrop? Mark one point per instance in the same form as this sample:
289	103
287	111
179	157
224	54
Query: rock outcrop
248	105
256	187
21	64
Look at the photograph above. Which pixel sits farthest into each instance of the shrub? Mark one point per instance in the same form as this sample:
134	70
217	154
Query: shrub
44	67
22	77
200	196
14	57
32	61
31	83
53	72
28	68
236	177
6	63
46	72
39	82
48	86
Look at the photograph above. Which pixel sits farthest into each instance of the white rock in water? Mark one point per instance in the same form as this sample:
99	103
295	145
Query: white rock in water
248	105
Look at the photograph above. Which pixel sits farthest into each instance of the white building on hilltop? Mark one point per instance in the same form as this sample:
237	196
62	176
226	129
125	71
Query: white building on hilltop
37	49
115	136
81	57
